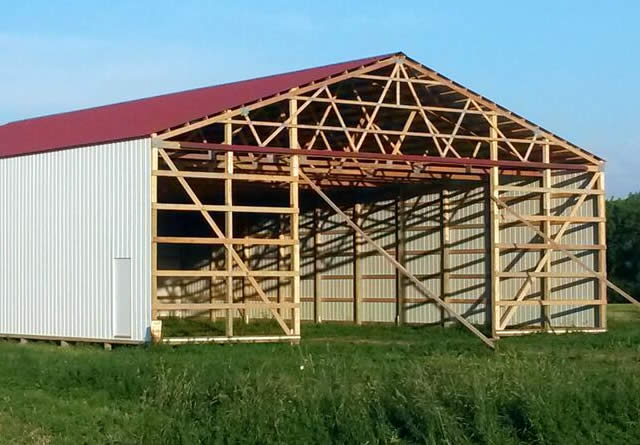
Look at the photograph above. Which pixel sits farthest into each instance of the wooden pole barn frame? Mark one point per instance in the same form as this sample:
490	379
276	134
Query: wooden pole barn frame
386	125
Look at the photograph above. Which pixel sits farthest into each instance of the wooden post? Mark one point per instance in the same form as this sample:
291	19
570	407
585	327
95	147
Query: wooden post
154	234
228	201
602	253
546	229
444	248
494	181
317	296
294	167
357	266
280	263
401	258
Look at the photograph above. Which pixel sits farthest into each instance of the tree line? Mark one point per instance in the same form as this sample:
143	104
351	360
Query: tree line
623	244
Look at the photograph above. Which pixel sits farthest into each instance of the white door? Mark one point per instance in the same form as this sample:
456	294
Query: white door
122	297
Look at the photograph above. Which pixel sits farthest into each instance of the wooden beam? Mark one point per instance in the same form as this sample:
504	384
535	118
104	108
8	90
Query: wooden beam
228	223
546	228
418	159
223	273
393	261
294	203
602	254
224	241
577	260
357	266
494	229
445	251
154	233
317	296
401	257
224	208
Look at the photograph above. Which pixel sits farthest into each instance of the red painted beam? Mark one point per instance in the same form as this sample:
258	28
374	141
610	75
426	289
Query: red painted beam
433	160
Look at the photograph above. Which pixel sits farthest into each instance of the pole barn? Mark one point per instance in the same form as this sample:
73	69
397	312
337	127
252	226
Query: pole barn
376	190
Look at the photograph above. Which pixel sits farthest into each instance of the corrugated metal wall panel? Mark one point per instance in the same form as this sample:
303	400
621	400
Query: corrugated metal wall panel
64	216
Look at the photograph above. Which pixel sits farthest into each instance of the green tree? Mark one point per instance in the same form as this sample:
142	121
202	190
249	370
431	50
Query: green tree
623	244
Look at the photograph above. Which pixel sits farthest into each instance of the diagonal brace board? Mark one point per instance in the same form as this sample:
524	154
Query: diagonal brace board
395	263
557	246
227	246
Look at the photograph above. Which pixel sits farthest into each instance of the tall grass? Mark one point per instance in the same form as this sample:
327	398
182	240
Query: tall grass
342	385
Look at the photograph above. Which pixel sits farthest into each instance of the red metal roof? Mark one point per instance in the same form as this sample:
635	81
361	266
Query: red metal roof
139	118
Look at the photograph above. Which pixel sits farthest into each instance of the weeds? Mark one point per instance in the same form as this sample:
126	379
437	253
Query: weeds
374	384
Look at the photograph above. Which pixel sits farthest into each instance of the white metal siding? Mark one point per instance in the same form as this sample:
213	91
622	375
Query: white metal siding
64	217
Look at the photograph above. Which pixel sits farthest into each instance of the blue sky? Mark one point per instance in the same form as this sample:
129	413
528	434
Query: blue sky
570	66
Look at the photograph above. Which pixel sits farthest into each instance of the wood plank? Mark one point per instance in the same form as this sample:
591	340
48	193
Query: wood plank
551	303
224	208
494	229
357	266
294	203
223	273
221	176
224	241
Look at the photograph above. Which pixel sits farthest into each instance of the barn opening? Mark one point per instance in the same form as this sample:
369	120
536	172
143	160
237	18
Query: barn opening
375	190
468	203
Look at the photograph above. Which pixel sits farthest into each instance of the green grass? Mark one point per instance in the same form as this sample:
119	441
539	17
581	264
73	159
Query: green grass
343	384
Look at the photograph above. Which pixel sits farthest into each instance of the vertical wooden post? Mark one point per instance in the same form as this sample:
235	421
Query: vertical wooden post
444	249
228	201
280	262
602	253
357	266
154	234
317	303
546	229
400	222
294	166
494	181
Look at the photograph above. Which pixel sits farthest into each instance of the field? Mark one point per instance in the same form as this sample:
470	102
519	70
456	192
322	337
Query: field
343	384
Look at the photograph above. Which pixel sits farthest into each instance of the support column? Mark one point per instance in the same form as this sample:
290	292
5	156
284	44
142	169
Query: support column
317	296
494	181
602	253
294	166
228	201
401	258
546	229
444	249
357	266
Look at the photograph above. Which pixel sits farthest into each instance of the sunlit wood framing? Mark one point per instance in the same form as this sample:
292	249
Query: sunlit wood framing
389	122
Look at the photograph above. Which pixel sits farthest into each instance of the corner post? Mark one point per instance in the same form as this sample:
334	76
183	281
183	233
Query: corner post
546	229
154	231
295	216
602	253
494	182
228	201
